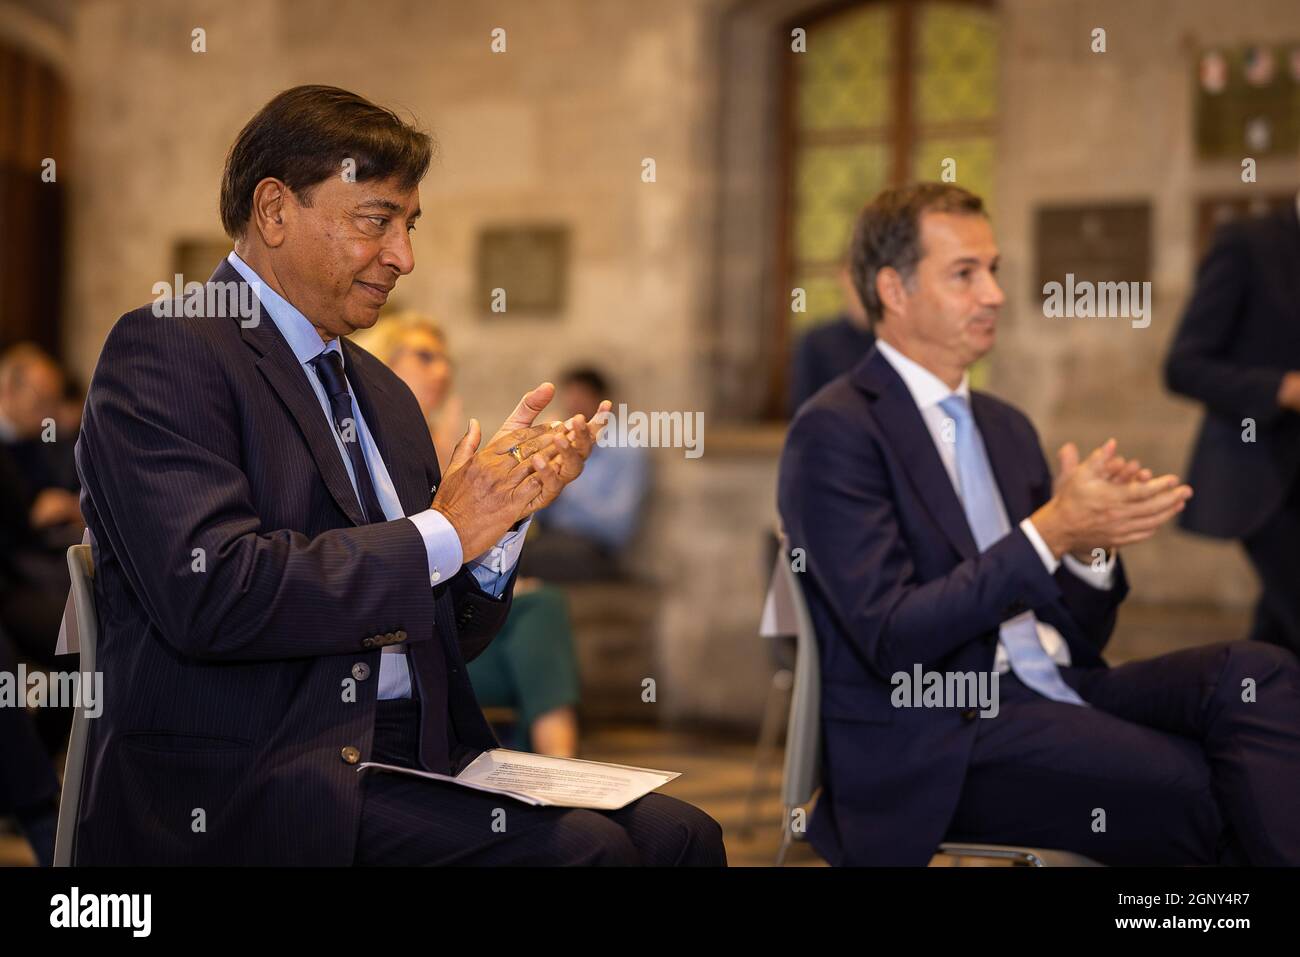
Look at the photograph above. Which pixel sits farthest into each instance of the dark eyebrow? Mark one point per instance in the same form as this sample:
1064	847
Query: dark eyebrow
973	261
387	205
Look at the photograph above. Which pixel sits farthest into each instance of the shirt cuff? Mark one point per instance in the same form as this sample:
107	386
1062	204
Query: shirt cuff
492	569
1050	561
441	544
1101	578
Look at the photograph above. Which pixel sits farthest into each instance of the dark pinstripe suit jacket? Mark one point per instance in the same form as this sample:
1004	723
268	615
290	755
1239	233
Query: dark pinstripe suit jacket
240	598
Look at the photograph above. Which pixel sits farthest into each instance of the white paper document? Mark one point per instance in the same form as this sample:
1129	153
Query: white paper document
538	779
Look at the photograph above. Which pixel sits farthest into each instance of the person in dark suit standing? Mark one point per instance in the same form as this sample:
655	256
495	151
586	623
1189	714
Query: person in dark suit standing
287	584
1237	351
936	543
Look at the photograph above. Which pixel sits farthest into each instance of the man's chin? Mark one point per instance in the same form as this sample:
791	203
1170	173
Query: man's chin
982	338
362	317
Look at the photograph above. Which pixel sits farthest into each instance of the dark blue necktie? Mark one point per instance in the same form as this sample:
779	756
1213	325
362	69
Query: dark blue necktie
329	369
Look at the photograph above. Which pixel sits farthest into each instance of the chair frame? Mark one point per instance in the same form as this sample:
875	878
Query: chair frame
81	568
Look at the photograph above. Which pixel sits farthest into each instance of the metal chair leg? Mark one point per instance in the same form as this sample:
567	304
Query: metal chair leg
773	718
787	835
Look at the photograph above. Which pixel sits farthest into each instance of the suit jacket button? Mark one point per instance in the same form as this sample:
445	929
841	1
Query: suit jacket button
350	755
367	642
969	714
361	671
389	638
401	635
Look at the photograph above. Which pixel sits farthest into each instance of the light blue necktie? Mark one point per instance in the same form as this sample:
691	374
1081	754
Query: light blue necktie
988	524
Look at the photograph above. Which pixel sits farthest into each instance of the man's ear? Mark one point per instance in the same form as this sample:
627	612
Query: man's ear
889	289
269	201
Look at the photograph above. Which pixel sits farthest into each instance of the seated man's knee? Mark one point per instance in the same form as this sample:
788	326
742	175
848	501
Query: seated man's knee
1258	663
699	836
586	837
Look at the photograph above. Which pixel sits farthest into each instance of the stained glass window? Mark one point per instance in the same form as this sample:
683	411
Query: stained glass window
884	94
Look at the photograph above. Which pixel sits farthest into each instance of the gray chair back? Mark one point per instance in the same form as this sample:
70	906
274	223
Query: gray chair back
82	571
802	773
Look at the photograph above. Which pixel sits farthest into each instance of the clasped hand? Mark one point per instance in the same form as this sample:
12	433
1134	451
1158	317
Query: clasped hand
1105	502
484	492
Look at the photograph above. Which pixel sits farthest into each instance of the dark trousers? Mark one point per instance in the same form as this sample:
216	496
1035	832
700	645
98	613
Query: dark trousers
1168	766
1274	550
408	821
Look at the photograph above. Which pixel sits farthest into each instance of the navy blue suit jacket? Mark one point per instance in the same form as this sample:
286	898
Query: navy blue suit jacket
1240	334
224	687
893	578
827	350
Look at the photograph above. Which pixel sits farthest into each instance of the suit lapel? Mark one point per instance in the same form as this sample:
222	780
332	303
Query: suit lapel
378	408
900	420
280	367
1004	457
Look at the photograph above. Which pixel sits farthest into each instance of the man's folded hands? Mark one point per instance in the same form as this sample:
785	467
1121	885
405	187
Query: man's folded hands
523	468
1105	501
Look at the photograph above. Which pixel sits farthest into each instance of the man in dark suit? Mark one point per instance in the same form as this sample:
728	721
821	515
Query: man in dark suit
1238	352
936	543
286	584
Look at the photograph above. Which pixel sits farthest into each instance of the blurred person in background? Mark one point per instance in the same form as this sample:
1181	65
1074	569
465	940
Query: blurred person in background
1237	352
831	348
67	418
581	536
531	666
39	513
36	434
29	788
39	517
414	346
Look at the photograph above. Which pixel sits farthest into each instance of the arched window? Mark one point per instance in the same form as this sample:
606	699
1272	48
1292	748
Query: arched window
886	92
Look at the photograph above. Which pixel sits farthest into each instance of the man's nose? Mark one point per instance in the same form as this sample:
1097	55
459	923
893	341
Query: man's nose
991	294
399	253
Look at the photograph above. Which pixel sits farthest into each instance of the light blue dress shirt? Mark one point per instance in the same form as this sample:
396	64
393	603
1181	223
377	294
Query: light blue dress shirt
442	545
